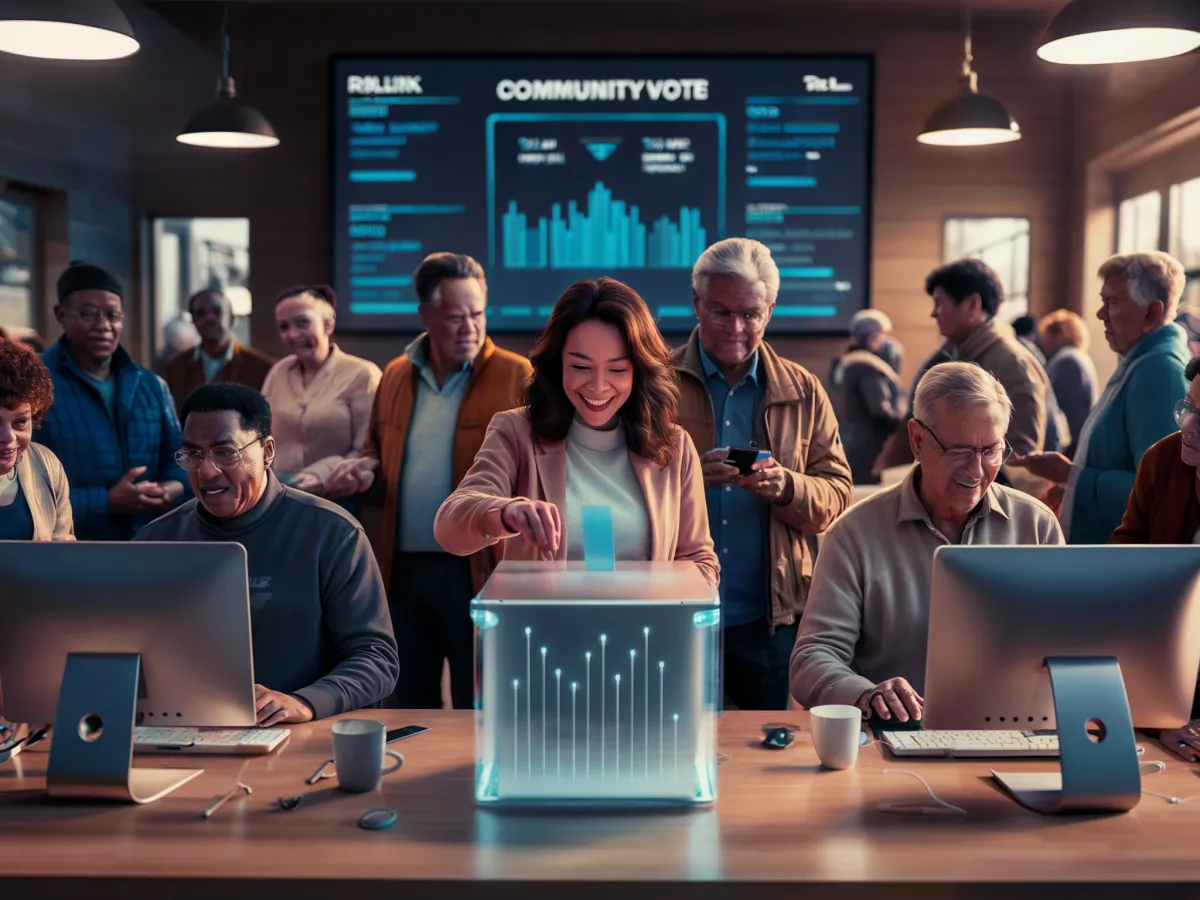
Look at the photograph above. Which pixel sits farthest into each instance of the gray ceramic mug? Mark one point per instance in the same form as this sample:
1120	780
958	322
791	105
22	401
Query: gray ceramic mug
358	755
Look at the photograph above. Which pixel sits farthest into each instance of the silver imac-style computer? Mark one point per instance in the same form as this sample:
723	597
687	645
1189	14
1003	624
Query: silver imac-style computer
100	637
1089	640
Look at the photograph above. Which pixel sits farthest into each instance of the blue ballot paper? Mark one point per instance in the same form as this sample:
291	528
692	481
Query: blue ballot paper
598	552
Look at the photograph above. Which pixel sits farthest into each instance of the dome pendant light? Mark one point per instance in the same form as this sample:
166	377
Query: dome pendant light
1093	32
972	118
227	122
66	29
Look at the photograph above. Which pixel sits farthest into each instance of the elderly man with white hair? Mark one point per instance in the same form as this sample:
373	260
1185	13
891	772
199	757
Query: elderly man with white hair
1139	300
735	391
868	397
863	638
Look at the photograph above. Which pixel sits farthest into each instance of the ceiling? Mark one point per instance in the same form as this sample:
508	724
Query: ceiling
1011	6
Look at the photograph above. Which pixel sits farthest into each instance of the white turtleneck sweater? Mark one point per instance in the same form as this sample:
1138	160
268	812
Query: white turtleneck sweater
599	474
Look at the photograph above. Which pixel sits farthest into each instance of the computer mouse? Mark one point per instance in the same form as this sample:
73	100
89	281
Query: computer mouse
778	738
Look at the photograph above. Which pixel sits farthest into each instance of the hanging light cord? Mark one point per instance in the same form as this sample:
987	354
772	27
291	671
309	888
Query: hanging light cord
970	80
225	41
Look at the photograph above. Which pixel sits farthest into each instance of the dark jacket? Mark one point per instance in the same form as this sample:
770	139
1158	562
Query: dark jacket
1163	507
96	449
318	611
866	394
184	372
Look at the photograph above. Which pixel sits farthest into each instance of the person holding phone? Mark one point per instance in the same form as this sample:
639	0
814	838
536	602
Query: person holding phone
598	428
796	484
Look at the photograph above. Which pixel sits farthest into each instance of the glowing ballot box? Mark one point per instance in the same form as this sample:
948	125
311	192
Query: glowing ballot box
596	687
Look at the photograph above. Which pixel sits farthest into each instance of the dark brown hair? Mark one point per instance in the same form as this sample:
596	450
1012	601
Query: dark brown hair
24	378
653	405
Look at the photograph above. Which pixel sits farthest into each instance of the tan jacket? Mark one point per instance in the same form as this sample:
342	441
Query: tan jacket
512	465
46	491
497	383
999	352
798	425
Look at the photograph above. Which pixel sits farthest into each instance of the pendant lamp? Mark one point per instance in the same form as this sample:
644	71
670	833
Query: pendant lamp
228	122
1092	32
971	118
65	29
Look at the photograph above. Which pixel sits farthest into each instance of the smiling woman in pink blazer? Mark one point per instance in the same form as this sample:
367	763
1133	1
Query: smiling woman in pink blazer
598	428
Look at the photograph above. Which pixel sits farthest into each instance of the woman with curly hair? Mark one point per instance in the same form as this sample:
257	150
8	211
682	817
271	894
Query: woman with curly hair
598	429
35	500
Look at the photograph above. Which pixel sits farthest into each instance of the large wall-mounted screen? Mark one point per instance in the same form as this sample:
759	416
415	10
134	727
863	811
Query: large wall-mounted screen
548	170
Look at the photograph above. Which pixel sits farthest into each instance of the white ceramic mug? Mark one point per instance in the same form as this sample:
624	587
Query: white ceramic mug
835	730
358	754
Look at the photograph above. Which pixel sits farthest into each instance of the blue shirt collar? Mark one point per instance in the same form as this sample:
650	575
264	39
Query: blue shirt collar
711	369
418	352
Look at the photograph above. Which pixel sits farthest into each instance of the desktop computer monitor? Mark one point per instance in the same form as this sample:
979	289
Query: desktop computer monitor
997	614
183	607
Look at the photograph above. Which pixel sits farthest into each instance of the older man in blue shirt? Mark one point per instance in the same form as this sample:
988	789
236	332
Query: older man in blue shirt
737	518
735	391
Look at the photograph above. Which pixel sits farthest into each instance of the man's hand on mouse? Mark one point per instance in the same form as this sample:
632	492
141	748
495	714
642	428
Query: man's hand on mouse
894	697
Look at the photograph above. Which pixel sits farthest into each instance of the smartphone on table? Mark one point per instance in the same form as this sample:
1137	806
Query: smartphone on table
399	734
743	458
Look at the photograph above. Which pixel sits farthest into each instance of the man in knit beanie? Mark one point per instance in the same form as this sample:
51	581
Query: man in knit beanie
113	423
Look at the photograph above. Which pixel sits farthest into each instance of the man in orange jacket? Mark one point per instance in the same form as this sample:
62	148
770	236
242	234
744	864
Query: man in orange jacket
430	415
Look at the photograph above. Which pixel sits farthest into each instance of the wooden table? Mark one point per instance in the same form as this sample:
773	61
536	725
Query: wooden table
779	818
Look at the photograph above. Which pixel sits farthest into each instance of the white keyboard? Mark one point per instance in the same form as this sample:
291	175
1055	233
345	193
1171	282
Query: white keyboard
239	741
965	744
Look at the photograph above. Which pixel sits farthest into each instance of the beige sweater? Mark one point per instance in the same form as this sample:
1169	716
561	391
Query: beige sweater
867	618
44	482
319	426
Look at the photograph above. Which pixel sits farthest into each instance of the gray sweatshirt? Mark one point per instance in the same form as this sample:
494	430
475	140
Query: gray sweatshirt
318	609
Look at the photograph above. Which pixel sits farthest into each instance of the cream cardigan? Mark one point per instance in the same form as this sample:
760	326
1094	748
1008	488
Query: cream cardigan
317	427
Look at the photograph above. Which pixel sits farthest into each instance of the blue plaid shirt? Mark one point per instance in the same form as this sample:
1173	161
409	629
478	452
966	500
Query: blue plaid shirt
96	449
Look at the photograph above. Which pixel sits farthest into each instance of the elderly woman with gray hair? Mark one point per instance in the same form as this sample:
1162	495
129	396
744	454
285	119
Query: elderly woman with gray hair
1139	299
867	395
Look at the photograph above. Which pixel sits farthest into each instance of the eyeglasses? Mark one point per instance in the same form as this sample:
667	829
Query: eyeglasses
995	455
224	458
1185	412
751	321
91	316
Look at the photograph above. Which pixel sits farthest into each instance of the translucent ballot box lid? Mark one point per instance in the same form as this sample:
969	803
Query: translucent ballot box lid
549	582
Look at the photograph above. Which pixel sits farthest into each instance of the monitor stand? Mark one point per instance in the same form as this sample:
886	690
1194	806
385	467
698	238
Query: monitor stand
1098	774
91	752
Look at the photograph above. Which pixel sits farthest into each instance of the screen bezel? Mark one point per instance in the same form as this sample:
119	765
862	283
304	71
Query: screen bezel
776	327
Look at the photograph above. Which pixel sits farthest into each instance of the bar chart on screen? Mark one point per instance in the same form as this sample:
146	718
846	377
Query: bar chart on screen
604	232
605	191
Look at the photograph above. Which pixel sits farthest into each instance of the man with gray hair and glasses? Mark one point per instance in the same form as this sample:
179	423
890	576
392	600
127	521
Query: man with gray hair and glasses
1139	298
863	638
735	391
